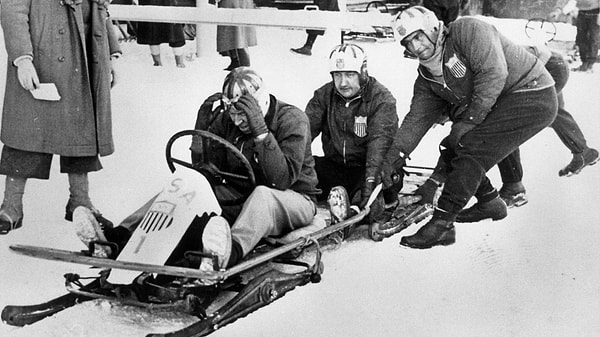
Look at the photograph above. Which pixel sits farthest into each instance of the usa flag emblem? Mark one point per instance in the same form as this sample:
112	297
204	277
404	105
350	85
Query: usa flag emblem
456	67
360	126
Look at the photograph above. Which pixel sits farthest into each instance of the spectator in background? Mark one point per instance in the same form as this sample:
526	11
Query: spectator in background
445	10
69	44
323	5
588	29
154	34
233	41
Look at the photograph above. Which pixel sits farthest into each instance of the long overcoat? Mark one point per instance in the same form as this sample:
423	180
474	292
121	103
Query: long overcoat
235	37
52	31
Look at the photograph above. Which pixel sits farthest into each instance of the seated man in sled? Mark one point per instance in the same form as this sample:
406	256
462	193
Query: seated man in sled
274	137
357	120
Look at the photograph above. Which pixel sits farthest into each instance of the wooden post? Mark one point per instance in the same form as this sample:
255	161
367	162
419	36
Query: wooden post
206	34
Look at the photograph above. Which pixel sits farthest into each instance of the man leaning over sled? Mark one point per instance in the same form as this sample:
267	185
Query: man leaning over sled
497	95
275	138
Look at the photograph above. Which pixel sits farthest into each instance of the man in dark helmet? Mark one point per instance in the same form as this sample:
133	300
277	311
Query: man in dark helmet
356	118
275	138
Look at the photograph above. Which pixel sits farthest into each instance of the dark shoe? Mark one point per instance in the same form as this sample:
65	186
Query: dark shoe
494	209
580	160
437	232
104	222
304	50
9	222
513	194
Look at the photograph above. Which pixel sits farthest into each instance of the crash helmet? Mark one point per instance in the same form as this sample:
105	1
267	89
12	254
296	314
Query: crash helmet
413	19
349	57
242	80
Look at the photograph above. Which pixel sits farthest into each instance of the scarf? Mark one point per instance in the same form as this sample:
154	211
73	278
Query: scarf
434	63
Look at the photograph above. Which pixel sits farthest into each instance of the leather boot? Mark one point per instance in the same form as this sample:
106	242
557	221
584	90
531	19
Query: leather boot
79	196
11	211
495	209
513	194
435	233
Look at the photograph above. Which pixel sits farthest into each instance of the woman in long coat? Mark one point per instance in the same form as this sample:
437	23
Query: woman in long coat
154	34
233	41
68	43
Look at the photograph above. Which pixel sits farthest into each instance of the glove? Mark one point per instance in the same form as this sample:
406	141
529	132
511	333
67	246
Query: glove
458	130
399	164
253	112
206	113
427	191
366	191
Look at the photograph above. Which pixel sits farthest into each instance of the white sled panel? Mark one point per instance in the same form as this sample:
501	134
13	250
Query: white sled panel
185	195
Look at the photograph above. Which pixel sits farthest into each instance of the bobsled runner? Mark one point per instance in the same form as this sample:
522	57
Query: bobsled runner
154	271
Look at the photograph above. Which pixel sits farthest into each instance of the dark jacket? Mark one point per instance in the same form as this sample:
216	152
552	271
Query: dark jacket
480	67
53	33
339	121
283	160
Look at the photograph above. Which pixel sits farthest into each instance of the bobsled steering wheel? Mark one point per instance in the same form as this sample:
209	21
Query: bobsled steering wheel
540	28
214	174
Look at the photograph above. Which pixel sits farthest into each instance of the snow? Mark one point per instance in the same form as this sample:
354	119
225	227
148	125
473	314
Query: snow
535	273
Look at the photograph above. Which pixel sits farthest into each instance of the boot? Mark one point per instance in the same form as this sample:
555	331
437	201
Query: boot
234	64
157	60
89	230
307	48
435	233
179	61
216	241
494	209
11	211
513	194
243	57
580	160
304	50
79	196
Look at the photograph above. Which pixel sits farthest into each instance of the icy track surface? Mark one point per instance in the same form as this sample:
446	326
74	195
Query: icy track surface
535	273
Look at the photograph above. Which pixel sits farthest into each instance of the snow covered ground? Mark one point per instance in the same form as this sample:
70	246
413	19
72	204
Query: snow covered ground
535	273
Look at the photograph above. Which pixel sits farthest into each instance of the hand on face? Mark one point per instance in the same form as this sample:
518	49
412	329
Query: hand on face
249	106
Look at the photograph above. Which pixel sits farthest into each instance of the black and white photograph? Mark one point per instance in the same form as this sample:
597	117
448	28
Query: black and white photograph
301	168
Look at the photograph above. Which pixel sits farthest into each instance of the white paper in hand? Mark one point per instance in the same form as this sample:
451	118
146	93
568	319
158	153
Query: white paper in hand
46	92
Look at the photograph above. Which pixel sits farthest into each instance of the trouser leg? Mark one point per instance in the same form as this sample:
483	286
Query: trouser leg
511	170
270	212
331	174
568	130
512	121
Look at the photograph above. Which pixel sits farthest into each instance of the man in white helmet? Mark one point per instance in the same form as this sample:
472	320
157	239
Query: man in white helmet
275	138
356	118
497	95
